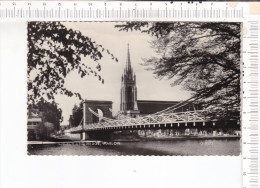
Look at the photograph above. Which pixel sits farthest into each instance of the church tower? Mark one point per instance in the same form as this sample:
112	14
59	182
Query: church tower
128	105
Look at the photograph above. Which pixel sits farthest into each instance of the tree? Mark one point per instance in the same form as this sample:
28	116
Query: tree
51	112
49	128
77	115
204	57
53	52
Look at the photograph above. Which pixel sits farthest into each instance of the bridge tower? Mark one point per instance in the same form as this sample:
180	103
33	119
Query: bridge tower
128	105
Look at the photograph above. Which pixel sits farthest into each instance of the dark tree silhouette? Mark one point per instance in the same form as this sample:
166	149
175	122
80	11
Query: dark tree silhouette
77	115
204	57
53	52
51	112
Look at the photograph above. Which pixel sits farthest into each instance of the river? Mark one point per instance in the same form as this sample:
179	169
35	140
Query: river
227	146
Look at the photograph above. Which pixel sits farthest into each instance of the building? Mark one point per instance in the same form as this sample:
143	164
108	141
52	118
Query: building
38	128
128	105
150	107
132	107
34	124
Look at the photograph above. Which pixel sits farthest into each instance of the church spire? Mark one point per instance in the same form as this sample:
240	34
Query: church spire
128	61
128	89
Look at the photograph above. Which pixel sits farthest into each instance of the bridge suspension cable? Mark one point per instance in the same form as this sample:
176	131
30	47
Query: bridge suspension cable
175	107
81	121
97	115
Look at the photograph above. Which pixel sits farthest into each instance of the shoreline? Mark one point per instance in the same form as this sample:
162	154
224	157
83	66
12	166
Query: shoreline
142	139
179	138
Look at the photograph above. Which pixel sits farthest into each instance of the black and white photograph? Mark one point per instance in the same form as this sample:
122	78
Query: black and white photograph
134	88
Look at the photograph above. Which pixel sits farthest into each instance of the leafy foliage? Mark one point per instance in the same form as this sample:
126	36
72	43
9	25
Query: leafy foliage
53	52
203	57
77	115
51	112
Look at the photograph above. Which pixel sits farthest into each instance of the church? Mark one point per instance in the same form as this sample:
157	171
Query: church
131	106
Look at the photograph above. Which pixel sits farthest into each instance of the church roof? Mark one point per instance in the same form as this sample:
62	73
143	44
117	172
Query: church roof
98	101
151	107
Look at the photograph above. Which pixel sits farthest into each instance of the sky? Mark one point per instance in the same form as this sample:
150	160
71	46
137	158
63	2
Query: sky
90	88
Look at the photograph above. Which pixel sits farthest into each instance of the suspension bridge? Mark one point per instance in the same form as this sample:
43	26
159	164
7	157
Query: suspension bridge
169	118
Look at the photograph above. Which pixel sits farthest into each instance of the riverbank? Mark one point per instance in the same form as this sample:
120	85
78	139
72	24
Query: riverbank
68	140
177	138
63	142
192	137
